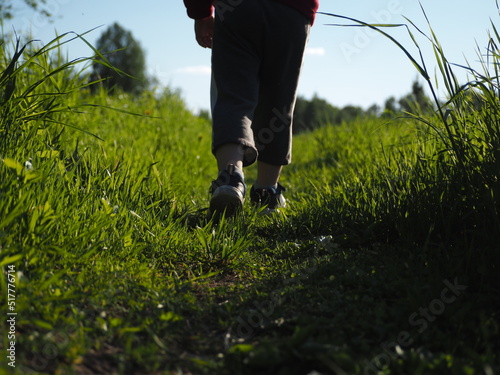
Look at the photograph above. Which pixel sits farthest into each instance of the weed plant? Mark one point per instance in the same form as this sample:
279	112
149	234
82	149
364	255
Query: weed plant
447	187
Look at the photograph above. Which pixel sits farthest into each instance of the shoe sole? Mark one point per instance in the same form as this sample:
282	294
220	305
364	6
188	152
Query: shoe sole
226	199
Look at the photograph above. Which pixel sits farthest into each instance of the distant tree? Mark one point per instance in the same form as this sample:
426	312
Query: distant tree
349	113
310	114
415	100
205	114
7	11
124	53
299	123
390	105
373	110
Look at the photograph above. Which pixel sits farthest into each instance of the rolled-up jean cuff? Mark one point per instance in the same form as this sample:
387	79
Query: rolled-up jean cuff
274	161
248	150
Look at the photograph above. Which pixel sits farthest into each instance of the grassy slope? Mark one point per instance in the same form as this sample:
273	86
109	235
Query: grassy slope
119	272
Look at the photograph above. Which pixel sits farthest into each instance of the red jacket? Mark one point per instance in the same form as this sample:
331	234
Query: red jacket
198	9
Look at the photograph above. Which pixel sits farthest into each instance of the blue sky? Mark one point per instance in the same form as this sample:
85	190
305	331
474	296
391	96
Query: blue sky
344	65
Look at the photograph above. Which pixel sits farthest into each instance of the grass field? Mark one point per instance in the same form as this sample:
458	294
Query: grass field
384	262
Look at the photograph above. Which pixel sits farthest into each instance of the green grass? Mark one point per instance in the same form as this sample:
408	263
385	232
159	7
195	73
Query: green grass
385	261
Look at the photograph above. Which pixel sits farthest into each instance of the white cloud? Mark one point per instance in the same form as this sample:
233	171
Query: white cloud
197	70
315	51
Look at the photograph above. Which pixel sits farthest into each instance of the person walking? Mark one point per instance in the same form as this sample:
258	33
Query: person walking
257	54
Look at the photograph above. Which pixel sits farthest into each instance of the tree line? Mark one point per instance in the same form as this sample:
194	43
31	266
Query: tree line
122	65
316	112
127	70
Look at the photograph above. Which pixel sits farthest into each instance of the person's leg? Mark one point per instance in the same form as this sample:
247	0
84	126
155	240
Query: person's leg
235	82
267	175
266	191
229	153
235	89
286	33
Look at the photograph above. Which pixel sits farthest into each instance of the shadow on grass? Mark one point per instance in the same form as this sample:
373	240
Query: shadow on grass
363	311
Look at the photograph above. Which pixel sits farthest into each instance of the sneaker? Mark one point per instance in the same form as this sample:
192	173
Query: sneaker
228	192
272	198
